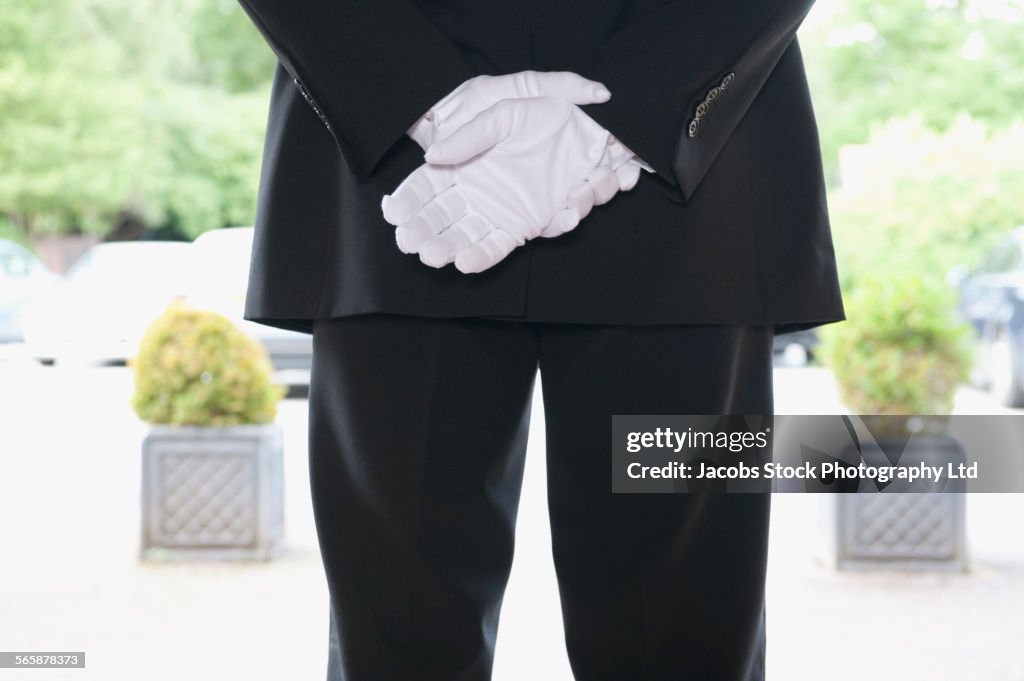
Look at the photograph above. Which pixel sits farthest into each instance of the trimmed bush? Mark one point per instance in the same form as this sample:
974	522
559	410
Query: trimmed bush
195	367
901	350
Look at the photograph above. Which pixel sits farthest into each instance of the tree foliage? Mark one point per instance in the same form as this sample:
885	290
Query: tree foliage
919	109
129	106
922	201
157	109
871	61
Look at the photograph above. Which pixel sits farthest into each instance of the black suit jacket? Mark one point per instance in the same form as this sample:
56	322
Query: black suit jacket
733	227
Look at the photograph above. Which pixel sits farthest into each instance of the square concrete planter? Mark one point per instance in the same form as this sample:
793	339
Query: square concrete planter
212	492
908	531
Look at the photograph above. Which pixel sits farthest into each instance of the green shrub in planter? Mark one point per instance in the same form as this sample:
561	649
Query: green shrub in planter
901	350
195	367
212	461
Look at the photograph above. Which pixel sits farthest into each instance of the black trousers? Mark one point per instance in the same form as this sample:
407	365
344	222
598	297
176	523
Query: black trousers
417	441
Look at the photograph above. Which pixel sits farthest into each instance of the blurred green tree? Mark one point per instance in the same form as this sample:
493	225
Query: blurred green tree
932	89
114	108
155	110
920	201
870	61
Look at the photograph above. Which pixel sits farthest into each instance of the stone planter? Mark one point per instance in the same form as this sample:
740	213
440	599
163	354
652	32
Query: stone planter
923	531
212	492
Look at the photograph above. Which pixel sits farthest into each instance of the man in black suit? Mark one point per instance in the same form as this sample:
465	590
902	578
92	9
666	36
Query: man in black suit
686	224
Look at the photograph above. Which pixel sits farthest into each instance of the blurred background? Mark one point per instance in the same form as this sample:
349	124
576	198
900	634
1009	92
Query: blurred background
130	141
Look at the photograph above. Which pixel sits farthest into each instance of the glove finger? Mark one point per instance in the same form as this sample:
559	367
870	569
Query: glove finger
422	132
565	84
564	221
454	101
581	199
432	219
605	183
442	248
415	191
486	253
629	175
486	130
617	153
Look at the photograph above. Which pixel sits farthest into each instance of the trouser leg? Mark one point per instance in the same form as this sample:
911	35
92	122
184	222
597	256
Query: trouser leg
417	440
654	587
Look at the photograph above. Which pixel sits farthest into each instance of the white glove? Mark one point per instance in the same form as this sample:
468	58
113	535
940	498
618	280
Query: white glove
617	160
519	168
463	103
476	94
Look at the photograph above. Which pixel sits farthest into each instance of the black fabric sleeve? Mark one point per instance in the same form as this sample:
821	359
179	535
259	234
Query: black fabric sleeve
368	68
665	64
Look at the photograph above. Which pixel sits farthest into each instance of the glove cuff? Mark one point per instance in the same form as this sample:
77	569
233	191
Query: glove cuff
422	131
619	154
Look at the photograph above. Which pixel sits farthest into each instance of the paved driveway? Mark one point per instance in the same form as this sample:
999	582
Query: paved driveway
70	578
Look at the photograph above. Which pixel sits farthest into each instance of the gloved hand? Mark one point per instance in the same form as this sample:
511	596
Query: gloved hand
519	169
476	94
619	169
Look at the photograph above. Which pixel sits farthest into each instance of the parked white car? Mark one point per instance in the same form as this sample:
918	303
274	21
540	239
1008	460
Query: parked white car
218	277
23	278
100	308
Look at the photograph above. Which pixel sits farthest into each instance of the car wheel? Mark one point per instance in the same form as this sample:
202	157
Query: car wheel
1004	370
